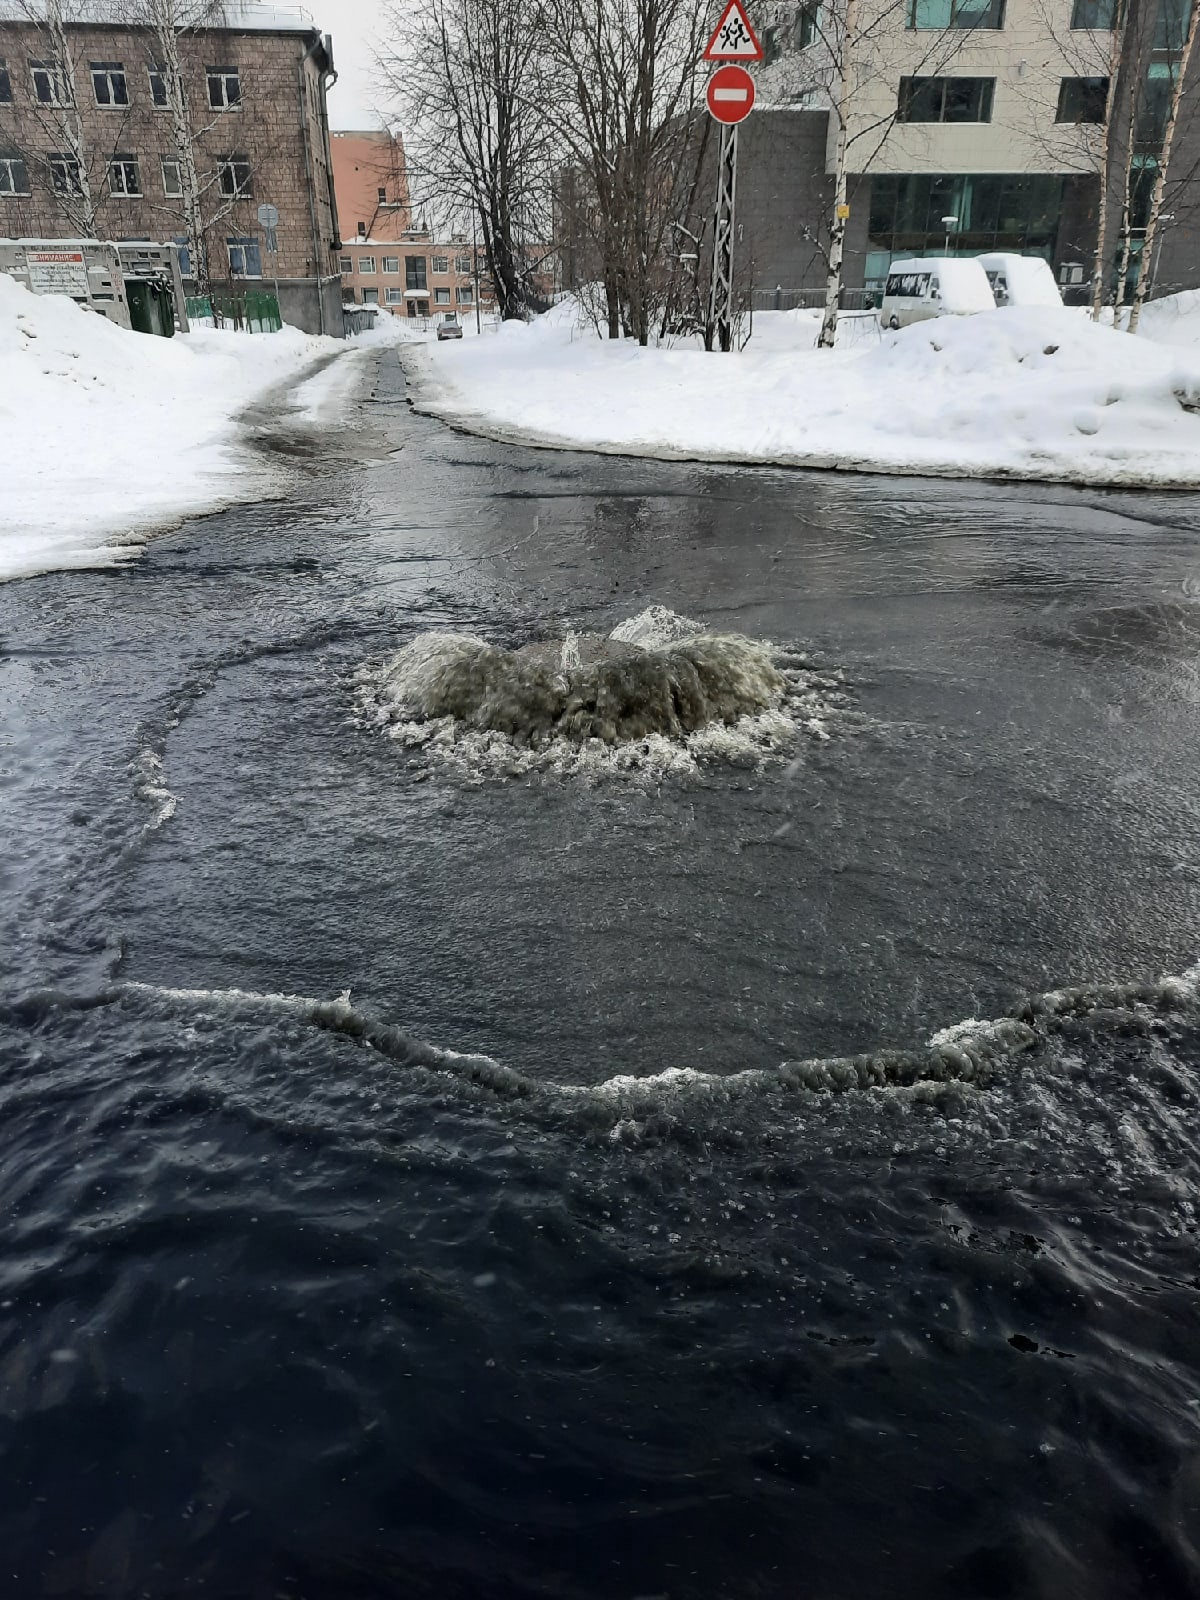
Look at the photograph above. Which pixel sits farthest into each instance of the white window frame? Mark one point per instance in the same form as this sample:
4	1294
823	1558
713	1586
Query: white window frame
5	83
345	265
175	193
441	297
153	73
109	72
462	266
370	295
8	167
228	167
366	266
440	264
239	243
394	295
224	76
465	294
119	170
61	179
55	83
391	264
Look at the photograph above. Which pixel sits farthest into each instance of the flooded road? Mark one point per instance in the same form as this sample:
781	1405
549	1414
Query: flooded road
415	1180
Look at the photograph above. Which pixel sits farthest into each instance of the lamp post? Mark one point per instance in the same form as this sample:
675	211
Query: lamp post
948	223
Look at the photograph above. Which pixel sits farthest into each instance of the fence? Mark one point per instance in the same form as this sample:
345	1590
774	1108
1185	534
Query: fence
814	300
254	311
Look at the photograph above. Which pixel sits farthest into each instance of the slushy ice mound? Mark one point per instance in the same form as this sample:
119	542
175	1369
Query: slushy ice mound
658	694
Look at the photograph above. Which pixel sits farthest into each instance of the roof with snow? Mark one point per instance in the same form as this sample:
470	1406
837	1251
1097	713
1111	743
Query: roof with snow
240	16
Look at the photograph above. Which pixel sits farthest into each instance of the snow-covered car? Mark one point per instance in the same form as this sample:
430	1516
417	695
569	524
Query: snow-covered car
1020	280
934	286
450	327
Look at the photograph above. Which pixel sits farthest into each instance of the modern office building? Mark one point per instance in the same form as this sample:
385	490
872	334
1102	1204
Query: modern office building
973	125
87	126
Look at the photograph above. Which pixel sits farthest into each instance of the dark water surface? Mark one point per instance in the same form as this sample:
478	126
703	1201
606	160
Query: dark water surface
286	1312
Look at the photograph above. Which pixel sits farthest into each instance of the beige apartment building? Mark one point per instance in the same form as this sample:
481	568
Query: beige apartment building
88	135
385	259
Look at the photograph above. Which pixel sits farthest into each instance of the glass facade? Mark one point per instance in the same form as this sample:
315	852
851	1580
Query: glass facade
994	211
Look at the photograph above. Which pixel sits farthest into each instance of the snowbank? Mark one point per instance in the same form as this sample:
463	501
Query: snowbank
1037	393
109	435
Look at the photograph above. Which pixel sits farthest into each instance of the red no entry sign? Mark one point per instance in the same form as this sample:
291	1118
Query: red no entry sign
730	94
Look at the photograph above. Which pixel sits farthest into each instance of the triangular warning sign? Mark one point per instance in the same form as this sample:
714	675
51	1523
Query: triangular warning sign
733	38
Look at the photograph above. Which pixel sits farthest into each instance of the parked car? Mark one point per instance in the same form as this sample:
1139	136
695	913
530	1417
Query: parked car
450	327
1020	280
935	286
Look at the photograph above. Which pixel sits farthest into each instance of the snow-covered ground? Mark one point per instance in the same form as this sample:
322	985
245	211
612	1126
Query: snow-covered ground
109	435
1032	394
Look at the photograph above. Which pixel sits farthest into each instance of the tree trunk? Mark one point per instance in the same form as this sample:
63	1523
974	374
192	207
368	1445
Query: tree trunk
1120	28
1144	273
837	227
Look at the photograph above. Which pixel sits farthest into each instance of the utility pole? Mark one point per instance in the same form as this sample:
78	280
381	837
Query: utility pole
721	306
475	272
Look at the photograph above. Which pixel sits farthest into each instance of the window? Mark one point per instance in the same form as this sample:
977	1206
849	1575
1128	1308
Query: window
1155	105
382	193
908	285
49	89
172	177
394	296
1170	28
124	176
955	13
14	176
418	308
370	297
158	87
108	83
234	175
440	264
64	175
185	255
462	265
945	99
366	266
391	264
441	297
362	230
245	258
1096	14
224	88
1082	100
414	273
345	263
5	83
465	297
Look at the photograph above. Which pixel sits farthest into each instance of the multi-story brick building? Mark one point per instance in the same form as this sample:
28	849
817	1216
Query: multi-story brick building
385	260
93	139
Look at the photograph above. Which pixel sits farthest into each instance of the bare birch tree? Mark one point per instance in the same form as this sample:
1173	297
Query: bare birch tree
1178	85
75	171
462	72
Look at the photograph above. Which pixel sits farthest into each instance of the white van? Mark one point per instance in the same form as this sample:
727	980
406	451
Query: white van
1020	280
935	286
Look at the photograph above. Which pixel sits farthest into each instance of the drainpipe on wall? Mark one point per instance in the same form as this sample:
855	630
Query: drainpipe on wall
312	199
328	79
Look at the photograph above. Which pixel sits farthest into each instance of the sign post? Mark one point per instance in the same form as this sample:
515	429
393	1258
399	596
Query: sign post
730	97
268	216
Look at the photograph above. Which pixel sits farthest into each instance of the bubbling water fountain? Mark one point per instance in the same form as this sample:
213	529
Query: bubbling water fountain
658	691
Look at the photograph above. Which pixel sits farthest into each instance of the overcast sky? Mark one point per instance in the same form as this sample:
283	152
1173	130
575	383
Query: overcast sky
355	26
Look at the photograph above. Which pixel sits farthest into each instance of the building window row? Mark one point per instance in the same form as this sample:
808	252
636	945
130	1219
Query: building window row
1080	100
415	276
944	14
110	85
234	177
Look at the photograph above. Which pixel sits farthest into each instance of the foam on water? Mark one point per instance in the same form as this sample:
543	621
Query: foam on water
656	697
972	1053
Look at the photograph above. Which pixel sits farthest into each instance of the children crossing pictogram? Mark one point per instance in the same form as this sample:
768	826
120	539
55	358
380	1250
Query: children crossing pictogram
733	38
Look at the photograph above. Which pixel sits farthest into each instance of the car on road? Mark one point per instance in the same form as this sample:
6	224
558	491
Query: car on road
450	327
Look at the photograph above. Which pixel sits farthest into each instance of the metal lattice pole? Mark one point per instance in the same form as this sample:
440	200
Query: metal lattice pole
721	309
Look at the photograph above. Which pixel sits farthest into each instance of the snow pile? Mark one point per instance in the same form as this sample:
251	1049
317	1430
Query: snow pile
110	434
1035	393
1173	320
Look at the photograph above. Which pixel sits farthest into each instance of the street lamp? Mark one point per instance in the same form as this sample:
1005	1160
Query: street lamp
948	223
